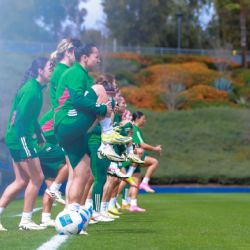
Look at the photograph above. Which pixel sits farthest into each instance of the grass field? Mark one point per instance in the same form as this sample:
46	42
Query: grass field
172	221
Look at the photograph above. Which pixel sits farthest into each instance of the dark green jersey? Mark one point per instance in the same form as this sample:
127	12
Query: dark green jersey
24	113
72	96
54	81
137	135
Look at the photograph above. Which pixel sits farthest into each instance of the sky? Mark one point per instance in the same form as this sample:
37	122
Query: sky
95	16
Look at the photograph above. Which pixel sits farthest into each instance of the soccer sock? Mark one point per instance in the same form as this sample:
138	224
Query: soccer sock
130	149
1	210
133	202
106	125
55	186
145	180
112	202
124	202
27	215
104	206
46	217
74	206
131	171
88	203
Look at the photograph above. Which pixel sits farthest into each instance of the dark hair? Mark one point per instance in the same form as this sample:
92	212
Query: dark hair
84	50
32	71
137	115
106	81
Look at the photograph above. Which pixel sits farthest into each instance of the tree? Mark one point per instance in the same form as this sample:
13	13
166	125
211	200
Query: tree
153	23
233	22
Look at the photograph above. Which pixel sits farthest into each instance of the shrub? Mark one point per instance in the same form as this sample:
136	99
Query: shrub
223	84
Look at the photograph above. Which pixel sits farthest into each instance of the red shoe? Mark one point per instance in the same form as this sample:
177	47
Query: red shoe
146	187
136	209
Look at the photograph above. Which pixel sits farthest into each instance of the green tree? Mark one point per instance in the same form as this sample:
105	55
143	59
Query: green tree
153	23
233	21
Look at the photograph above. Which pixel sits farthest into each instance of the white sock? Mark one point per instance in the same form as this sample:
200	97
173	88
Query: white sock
46	217
27	215
104	206
145	180
112	202
55	186
129	200
106	124
1	210
74	206
131	171
88	203
124	202
133	202
130	149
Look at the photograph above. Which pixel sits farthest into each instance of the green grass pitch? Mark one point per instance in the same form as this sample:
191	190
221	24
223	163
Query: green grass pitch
172	221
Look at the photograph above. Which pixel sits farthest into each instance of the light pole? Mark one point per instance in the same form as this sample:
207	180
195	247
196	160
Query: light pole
179	22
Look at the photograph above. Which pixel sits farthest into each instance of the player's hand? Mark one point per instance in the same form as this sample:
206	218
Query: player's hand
158	149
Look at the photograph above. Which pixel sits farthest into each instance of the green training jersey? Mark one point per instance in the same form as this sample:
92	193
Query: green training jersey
72	96
22	123
47	125
137	135
54	81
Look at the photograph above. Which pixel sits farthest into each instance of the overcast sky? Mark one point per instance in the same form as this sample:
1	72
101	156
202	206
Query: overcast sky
95	16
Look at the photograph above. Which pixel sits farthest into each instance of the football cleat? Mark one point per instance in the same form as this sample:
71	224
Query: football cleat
114	211
136	209
108	152
114	137
134	158
56	196
2	228
30	225
146	187
83	232
104	218
130	180
116	172
48	223
125	206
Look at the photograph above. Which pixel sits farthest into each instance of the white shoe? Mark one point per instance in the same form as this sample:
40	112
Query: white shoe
48	223
2	228
30	225
110	215
93	221
103	218
56	196
116	172
134	158
107	151
83	232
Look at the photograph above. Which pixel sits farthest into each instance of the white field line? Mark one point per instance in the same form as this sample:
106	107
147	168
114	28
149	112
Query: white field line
54	243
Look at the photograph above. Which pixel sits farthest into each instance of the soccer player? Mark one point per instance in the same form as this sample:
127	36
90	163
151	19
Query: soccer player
79	105
150	162
62	58
55	169
22	125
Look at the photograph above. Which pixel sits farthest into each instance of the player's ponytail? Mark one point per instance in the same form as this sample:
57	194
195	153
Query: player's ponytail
137	115
32	71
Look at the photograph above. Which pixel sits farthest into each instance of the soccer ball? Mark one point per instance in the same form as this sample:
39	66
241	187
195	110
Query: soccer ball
86	216
69	222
